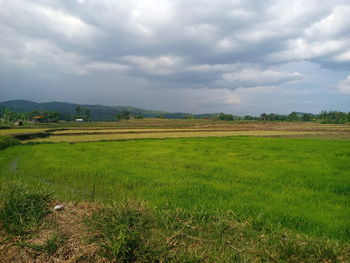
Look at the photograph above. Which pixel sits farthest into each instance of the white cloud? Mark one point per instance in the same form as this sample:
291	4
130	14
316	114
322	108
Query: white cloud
343	57
324	40
103	66
335	23
201	32
254	77
155	65
300	49
42	19
213	67
344	86
42	54
227	46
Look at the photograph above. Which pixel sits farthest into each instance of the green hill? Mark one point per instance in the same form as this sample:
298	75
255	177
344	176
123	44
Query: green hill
98	112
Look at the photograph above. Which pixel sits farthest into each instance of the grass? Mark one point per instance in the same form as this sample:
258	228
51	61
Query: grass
298	184
121	233
22	209
131	232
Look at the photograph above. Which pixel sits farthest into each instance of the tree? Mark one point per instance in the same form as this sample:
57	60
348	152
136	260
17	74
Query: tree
271	117
6	115
306	117
52	116
333	117
293	116
125	115
78	111
34	113
87	114
118	117
225	117
248	117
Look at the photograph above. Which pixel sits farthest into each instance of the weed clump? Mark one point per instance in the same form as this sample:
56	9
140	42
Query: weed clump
124	231
22	210
7	141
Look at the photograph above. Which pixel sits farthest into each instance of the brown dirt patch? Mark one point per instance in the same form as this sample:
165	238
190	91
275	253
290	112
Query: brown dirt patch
72	239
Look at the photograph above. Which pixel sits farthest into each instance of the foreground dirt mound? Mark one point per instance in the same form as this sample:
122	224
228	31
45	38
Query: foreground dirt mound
62	238
131	232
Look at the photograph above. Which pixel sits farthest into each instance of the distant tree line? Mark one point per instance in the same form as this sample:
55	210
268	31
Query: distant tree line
336	117
126	115
8	117
11	117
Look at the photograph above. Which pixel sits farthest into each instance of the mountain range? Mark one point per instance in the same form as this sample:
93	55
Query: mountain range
98	112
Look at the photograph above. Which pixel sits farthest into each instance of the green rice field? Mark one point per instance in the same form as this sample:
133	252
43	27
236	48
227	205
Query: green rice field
299	184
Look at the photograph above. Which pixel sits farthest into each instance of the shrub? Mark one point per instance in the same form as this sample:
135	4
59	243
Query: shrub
7	141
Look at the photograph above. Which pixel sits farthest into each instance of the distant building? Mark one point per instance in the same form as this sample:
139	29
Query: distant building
79	120
38	118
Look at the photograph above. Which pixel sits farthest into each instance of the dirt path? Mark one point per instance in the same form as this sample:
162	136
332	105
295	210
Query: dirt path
13	165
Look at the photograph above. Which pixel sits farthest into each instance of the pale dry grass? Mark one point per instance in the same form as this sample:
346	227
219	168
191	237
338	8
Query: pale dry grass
20	130
158	128
115	136
119	130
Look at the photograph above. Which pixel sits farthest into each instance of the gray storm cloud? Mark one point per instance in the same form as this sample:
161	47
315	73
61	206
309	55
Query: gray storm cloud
178	55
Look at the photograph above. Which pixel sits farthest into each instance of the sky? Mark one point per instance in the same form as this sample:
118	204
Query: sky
233	56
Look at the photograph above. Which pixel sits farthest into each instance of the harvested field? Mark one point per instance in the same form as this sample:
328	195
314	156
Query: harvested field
169	134
137	129
20	131
124	130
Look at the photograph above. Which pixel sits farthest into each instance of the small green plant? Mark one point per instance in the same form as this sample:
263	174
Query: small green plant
7	141
52	244
22	209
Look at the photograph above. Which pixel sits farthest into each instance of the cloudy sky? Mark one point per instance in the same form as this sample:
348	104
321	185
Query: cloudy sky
235	56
